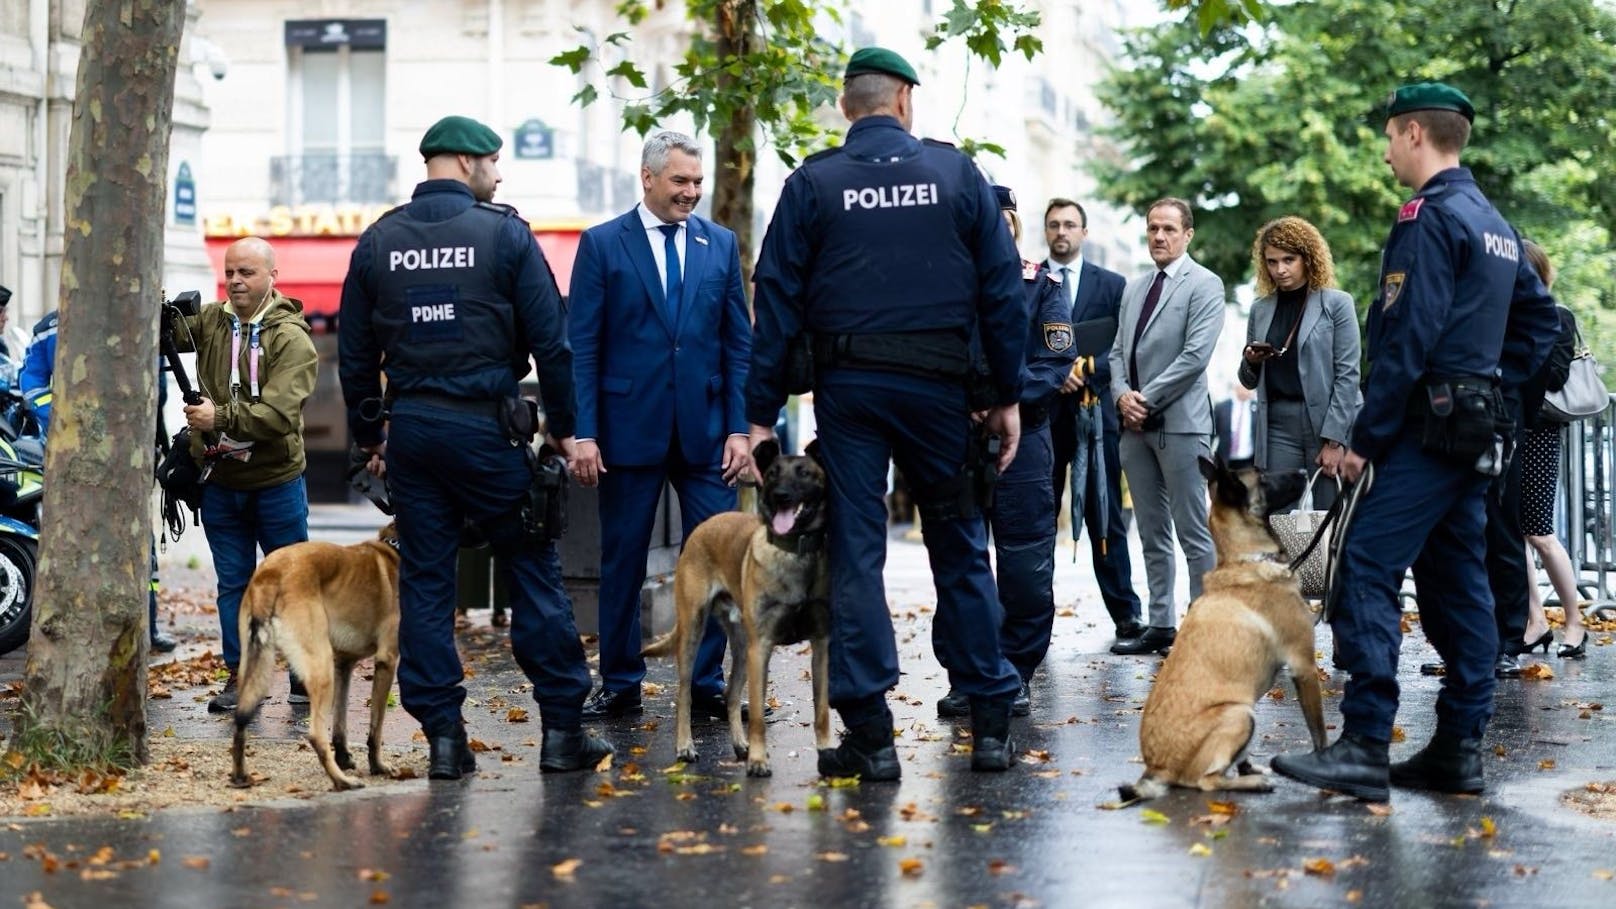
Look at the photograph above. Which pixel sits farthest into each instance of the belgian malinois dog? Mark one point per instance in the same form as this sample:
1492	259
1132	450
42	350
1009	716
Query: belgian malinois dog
325	607
764	577
1249	621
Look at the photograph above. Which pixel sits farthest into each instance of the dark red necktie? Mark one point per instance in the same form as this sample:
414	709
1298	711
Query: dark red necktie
1151	299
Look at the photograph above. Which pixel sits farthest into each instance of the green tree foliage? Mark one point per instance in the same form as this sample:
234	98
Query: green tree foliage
1255	121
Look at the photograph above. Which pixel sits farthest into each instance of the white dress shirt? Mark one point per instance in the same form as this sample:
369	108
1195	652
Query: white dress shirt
659	242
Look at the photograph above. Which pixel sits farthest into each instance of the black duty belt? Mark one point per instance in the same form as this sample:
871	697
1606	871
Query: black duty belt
942	354
450	402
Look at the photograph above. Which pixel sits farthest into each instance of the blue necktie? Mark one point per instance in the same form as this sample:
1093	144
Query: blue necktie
674	282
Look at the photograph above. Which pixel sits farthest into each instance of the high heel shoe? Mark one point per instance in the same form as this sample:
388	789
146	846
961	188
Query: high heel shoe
1543	641
1579	652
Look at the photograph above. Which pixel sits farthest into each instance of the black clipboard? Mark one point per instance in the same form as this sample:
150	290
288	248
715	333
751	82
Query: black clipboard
1094	336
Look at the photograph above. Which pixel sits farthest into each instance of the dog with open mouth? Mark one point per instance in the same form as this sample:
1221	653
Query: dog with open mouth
764	577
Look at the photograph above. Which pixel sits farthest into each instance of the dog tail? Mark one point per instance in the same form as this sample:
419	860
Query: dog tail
663	646
257	655
1146	789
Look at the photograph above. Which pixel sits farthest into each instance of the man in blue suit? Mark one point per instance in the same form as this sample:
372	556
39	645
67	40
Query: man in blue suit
661	340
1095	293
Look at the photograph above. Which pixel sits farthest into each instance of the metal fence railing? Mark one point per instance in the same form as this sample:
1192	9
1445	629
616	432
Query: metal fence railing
1583	506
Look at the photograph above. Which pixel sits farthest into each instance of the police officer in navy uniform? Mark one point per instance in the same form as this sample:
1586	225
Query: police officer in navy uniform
884	257
1022	516
452	294
1431	426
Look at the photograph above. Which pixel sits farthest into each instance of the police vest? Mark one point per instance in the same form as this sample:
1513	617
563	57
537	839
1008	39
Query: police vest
438	310
890	255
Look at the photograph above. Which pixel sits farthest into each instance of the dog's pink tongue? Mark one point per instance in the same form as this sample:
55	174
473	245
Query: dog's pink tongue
784	520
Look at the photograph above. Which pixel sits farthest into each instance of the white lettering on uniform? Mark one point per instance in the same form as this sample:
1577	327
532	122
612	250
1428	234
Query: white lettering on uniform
432	258
440	312
902	195
1503	247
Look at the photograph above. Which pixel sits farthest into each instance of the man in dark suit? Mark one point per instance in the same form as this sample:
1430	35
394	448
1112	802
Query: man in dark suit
1236	422
1094	293
661	342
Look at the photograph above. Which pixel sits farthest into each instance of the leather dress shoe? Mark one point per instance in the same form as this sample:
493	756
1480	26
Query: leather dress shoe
1507	667
1021	704
953	706
449	757
1354	765
163	642
1446	764
566	750
991	748
711	706
1128	630
605	704
225	700
1436	668
1154	640
866	751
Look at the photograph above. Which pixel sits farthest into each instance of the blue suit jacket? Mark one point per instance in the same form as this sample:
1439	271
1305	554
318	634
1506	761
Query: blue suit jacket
1099	296
639	375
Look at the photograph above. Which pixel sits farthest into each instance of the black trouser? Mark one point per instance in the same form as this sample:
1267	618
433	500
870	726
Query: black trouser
1506	554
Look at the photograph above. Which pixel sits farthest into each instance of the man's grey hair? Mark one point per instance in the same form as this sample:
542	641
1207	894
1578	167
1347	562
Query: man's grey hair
655	155
870	93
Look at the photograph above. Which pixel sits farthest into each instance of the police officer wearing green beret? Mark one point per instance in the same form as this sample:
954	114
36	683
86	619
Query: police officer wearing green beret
1460	317
454	292
891	352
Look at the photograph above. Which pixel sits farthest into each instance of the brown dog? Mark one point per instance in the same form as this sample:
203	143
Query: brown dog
767	585
1249	621
326	607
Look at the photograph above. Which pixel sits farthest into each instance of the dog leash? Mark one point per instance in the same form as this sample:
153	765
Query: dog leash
1349	508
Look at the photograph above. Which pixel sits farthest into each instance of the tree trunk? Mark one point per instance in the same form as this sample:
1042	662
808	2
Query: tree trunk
84	698
735	147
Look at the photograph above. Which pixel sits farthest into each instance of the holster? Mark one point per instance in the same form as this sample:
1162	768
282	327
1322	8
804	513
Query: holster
1462	419
967	494
544	513
519	419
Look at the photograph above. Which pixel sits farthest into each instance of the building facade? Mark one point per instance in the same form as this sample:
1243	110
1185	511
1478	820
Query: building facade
39	57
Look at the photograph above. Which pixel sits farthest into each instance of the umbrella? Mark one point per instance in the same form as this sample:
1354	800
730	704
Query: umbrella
1089	461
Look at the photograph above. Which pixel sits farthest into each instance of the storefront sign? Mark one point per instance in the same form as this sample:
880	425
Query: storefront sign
315	34
295	221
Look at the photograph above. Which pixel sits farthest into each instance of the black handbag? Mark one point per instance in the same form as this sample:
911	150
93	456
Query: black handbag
178	473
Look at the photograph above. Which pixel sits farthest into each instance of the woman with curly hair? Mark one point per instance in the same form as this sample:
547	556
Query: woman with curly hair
1301	354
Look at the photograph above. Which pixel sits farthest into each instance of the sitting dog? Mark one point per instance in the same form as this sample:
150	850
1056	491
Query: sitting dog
1249	621
325	607
765	580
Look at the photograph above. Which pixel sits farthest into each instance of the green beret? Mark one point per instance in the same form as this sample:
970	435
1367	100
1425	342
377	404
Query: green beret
1429	96
880	60
459	136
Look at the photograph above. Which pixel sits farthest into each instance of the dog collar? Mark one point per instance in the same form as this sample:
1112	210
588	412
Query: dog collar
799	543
394	542
1276	557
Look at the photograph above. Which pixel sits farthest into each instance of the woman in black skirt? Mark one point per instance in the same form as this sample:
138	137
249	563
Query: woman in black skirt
1540	474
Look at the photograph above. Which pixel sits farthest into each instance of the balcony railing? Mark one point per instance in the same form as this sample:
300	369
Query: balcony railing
360	177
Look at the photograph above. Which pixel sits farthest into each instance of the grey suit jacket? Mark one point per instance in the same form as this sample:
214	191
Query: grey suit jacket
1176	347
1327	358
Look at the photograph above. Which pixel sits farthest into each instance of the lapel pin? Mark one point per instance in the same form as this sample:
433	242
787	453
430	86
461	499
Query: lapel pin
702	240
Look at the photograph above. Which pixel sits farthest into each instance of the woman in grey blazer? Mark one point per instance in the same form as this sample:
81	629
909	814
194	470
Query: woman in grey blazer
1301	354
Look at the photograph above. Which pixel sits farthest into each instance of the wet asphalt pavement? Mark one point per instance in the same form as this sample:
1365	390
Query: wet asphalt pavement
643	834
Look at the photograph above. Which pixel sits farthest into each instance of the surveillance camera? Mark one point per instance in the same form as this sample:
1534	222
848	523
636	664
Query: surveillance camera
218	65
205	51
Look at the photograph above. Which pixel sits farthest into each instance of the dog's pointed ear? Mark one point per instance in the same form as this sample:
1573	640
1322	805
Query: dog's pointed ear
764	454
814	451
1210	469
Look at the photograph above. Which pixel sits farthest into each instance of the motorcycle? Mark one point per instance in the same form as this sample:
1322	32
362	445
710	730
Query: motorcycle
22	491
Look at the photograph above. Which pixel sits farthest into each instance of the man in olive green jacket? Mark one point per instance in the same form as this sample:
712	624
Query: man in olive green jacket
255	366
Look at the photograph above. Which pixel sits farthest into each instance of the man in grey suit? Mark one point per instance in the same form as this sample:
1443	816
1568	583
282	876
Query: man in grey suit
1169	323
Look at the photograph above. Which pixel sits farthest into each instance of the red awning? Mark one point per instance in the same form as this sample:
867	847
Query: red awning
311	269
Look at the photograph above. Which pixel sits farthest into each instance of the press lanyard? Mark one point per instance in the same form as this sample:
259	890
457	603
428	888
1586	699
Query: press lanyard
252	355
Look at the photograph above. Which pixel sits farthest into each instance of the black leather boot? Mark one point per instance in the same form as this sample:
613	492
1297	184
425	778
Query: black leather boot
866	751
991	749
566	750
1446	764
1354	765
449	756
953	705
